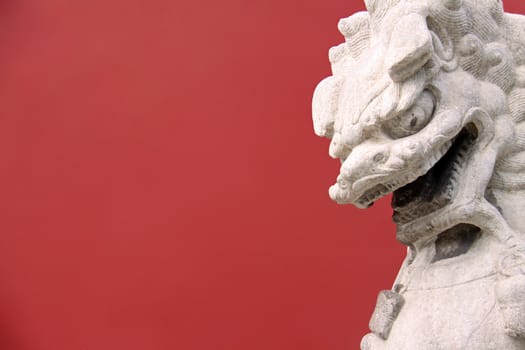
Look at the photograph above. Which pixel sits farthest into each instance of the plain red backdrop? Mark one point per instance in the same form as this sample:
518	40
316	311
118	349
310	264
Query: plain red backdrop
161	186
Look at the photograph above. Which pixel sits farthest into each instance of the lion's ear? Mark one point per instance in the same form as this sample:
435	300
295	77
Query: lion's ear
410	47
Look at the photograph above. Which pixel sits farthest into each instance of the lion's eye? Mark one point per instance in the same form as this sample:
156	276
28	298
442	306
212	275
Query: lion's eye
414	119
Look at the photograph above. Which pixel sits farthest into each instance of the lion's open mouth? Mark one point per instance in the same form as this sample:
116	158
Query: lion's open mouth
438	187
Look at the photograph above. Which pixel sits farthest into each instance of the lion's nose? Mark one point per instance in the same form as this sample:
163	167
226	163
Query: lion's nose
324	106
338	149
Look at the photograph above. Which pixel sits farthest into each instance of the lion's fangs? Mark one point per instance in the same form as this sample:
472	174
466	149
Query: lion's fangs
383	189
436	187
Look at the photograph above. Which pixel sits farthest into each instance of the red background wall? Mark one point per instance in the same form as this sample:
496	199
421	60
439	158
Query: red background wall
161	186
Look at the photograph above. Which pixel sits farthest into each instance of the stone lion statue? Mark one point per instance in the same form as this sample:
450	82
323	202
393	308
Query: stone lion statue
427	103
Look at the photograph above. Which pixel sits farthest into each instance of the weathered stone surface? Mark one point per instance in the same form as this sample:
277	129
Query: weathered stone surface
427	102
388	305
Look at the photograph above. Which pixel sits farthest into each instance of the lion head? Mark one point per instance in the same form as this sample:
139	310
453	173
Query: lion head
426	101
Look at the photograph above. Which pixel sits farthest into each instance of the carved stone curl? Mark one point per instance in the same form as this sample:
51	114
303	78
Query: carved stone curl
427	103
